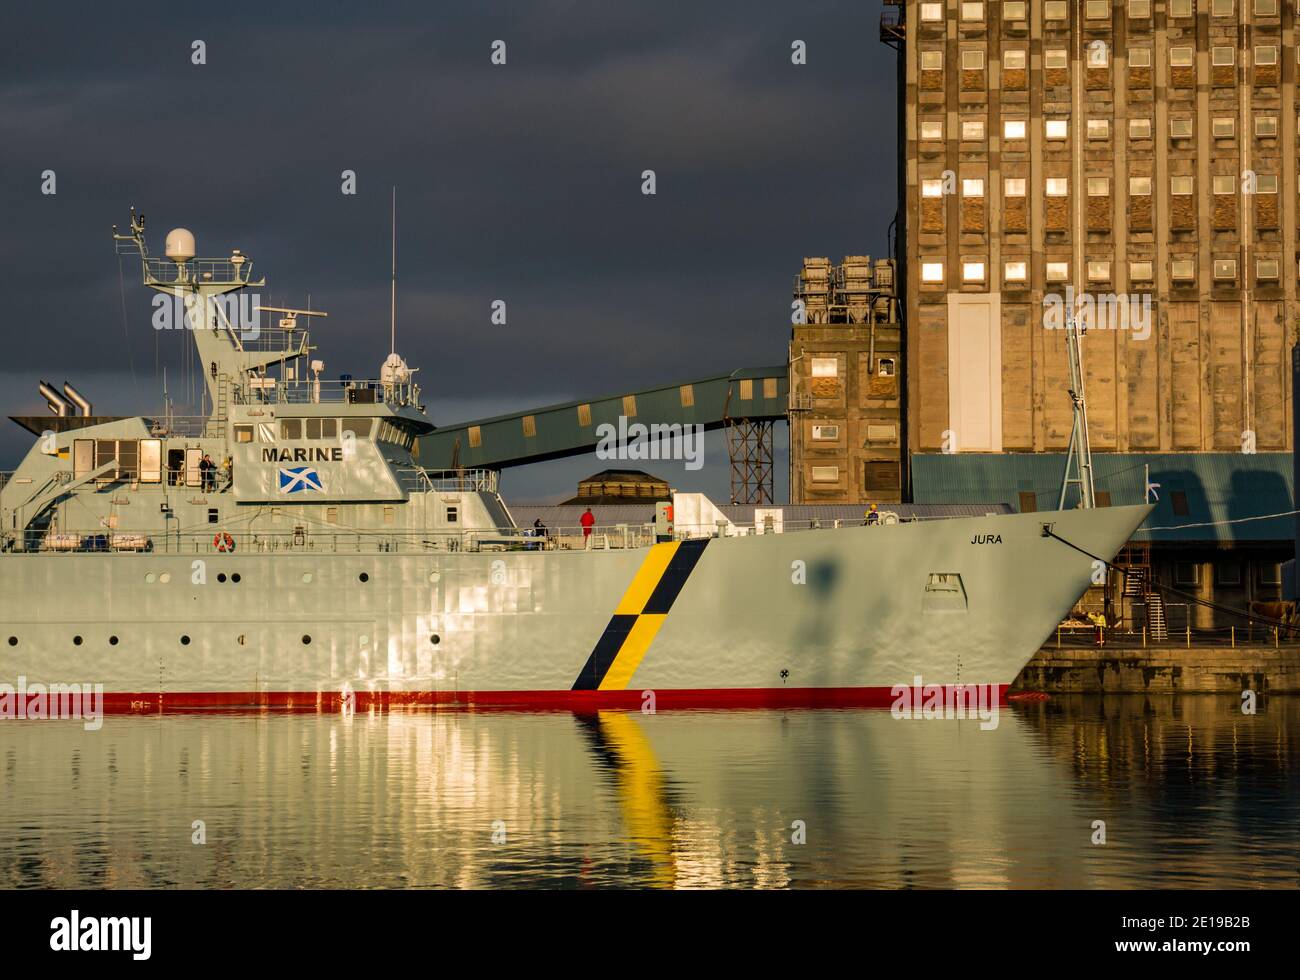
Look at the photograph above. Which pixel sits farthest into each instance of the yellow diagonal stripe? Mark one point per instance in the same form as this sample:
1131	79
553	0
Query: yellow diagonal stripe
632	651
643	585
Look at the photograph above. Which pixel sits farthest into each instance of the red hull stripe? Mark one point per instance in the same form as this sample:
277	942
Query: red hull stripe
671	699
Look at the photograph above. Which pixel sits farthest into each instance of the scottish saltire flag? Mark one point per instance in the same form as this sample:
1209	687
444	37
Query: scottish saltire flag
299	479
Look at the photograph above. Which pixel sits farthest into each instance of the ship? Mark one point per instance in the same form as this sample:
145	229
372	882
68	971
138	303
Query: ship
286	548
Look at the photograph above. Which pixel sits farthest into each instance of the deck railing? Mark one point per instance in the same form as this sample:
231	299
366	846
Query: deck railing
326	539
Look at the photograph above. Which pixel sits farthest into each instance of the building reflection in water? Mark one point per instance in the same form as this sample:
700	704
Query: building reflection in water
1193	793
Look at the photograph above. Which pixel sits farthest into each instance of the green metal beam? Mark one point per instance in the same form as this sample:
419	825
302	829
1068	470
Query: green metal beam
558	430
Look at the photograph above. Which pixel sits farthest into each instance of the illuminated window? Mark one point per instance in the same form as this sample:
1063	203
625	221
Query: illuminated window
972	272
931	12
1181	8
1057	129
931	60
932	272
1139	186
1099	271
1266	183
1014	60
1266	269
1098	129
823	433
1182	270
1055	10
1225	184
972	10
931	129
1224	126
972	187
972	130
1013	129
1139	129
972	60
825	367
1180	127
1266	54
1139	9
1014	187
1015	272
1221	8
1180	186
1058	271
1139	58
1266	125
1098	186
1015	10
1097	10
1056	58
932	187
1057	186
1222	57
1225	269
1141	271
1265	8
1180	57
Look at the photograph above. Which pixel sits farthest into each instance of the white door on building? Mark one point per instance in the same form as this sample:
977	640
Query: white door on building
975	371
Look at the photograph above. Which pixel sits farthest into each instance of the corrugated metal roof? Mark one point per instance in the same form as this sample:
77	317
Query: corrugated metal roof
1217	487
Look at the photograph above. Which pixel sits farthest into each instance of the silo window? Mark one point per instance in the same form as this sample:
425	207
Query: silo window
886	369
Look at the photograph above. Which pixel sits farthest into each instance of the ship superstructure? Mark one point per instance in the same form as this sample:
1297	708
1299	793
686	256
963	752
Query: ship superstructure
287	548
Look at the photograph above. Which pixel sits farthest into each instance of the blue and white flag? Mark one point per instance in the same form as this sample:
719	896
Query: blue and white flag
299	479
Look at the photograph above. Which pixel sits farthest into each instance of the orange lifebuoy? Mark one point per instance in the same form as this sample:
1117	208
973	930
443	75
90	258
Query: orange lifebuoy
223	542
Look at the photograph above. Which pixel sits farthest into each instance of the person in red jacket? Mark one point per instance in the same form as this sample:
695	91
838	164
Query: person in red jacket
588	521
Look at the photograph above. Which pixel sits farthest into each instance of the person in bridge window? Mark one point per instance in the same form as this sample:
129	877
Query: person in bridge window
588	522
227	473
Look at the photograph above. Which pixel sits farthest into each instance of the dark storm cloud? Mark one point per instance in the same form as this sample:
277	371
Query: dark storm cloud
519	183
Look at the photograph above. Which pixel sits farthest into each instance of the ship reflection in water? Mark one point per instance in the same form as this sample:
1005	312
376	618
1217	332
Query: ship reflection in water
1193	794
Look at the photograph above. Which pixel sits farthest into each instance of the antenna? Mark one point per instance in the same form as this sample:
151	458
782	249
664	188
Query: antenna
392	301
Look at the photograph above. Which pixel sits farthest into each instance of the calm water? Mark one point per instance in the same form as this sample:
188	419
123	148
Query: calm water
1193	794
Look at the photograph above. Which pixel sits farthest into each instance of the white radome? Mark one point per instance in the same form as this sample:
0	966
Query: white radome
180	244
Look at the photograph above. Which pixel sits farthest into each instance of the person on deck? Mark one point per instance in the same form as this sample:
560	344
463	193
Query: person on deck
873	516
588	522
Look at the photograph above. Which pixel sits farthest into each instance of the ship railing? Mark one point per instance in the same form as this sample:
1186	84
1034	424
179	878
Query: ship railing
167	272
273	391
450	481
178	425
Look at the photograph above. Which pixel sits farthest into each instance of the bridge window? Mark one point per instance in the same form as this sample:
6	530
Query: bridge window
584	418
322	428
290	428
452	515
124	451
243	433
359	427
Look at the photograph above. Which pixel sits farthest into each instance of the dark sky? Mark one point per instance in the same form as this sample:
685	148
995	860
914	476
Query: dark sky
519	182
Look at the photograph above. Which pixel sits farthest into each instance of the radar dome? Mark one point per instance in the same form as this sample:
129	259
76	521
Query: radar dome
180	245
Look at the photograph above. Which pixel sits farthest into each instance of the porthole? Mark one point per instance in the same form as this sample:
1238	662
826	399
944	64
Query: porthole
165	577
112	641
364	577
150	579
435	639
76	641
185	641
434	576
235	578
13	641
306	640
221	577
306	578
